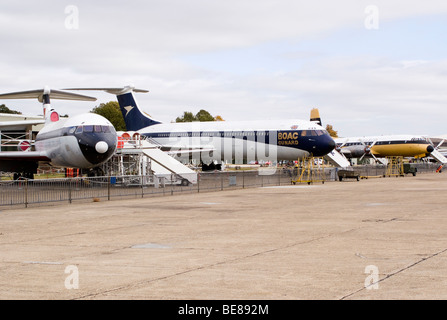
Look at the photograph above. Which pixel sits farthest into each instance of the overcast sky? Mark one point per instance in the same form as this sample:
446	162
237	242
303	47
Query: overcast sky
371	67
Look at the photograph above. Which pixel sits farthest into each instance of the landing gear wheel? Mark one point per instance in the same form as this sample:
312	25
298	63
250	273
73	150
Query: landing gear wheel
95	172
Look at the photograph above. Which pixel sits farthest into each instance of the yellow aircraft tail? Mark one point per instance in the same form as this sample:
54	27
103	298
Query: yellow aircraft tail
315	116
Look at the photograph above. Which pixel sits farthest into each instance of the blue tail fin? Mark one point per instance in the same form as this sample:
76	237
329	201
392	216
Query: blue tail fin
134	118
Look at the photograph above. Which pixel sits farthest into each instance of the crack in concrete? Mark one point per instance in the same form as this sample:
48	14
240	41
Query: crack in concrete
394	273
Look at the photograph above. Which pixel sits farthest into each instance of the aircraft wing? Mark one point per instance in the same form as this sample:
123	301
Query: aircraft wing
173	149
24	156
346	152
190	150
19	124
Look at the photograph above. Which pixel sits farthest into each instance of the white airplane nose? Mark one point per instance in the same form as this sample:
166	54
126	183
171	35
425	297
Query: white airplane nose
101	147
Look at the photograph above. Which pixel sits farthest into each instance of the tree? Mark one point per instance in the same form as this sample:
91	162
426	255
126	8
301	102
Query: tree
187	117
112	112
331	131
5	109
202	115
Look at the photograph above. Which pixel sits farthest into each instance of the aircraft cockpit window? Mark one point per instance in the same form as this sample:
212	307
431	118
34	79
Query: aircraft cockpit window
91	128
71	130
304	133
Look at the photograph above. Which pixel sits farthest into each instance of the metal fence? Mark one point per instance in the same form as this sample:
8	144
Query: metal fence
37	191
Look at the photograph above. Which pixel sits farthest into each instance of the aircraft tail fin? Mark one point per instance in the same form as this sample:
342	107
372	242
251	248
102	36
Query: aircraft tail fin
43	95
134	117
315	116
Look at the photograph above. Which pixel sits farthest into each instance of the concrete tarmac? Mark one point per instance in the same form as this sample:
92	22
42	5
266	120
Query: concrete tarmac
383	238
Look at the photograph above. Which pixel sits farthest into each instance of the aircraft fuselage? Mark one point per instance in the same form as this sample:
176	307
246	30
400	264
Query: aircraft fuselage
385	146
245	140
82	141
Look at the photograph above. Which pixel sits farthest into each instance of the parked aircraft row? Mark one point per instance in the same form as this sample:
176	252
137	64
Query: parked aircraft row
265	140
88	140
414	146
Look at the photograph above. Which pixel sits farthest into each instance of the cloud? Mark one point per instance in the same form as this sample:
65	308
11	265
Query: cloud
240	59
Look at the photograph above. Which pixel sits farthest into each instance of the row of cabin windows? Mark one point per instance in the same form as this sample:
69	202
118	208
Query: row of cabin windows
213	134
384	142
302	133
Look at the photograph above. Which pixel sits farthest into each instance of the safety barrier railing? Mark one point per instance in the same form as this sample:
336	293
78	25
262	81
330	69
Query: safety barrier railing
37	191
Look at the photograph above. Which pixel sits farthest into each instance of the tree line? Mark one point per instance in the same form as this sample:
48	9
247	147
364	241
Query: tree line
5	109
112	112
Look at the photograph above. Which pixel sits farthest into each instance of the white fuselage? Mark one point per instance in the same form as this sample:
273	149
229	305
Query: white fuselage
73	142
242	141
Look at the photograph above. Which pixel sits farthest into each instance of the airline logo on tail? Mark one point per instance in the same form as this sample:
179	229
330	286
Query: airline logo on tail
128	109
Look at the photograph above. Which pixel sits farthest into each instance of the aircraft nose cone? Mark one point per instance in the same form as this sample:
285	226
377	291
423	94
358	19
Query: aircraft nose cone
430	149
328	147
101	147
331	145
325	145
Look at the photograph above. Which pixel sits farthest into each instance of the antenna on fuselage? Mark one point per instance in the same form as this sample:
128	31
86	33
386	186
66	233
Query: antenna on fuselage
43	96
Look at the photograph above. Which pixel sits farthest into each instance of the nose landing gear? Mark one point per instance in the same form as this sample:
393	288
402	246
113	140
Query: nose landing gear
95	172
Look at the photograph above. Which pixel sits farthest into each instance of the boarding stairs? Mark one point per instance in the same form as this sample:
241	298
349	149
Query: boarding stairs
161	163
337	159
435	154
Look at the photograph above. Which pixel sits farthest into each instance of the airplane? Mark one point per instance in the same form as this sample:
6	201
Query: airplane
414	146
83	141
224	141
384	146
